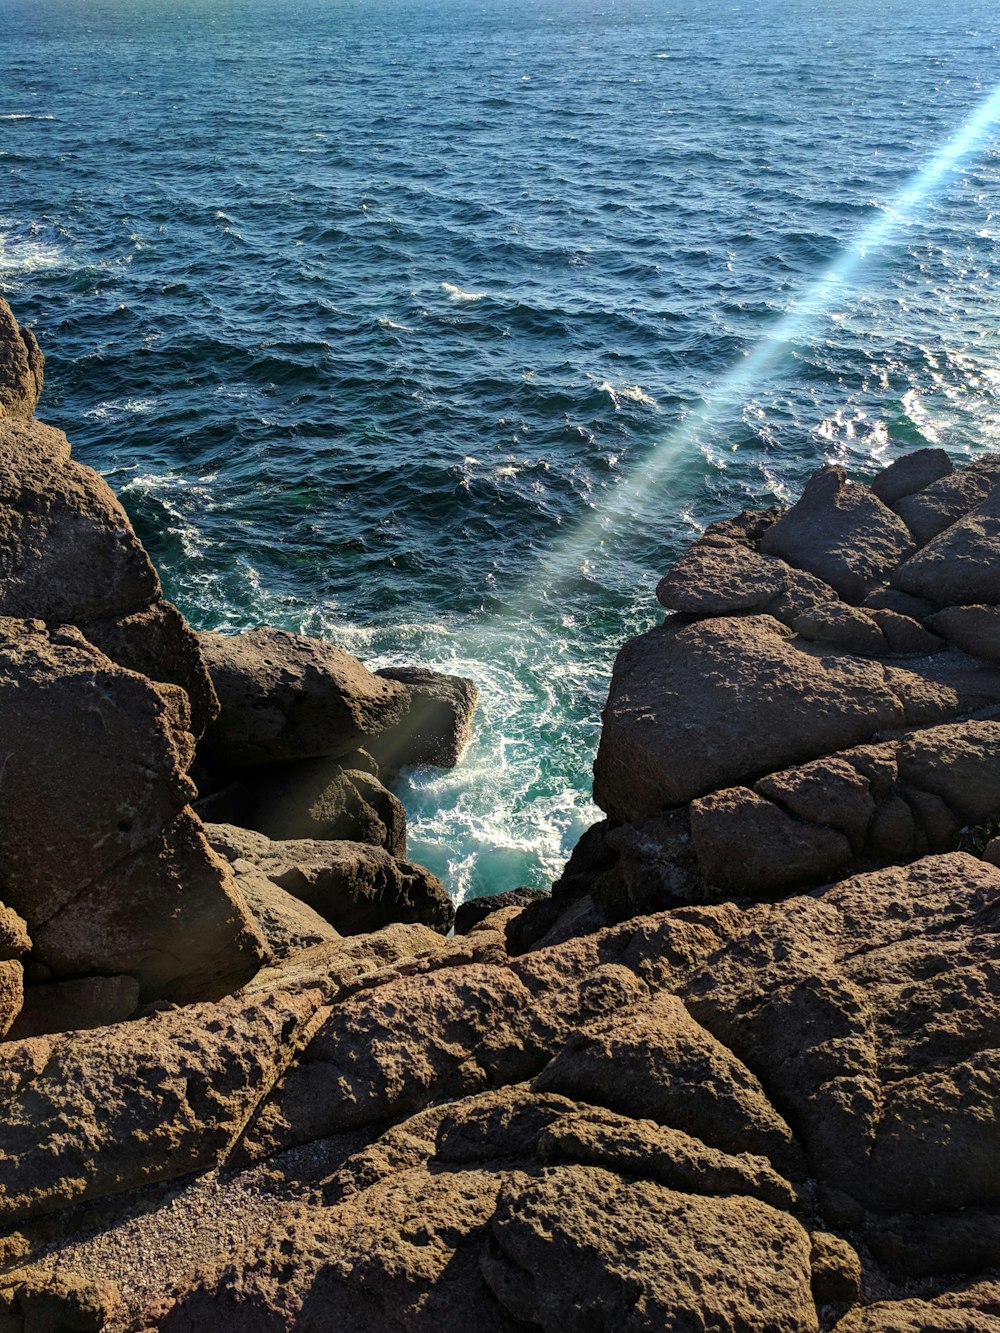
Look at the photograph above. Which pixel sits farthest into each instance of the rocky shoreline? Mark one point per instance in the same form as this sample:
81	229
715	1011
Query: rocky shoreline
740	1069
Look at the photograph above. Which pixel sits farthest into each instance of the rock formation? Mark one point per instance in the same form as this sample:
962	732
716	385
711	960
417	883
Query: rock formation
740	1071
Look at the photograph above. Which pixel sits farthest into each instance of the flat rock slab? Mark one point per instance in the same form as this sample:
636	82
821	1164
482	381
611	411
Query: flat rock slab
284	696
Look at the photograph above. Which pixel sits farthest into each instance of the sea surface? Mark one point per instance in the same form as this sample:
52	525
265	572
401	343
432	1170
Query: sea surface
439	327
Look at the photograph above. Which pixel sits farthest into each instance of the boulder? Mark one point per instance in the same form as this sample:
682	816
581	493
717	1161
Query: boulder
961	566
170	916
286	923
474	910
69	1006
159	643
749	845
696	707
840	532
352	886
14	944
68	554
716	578
943	502
319	799
911	473
973	629
284	696
436	729
21	367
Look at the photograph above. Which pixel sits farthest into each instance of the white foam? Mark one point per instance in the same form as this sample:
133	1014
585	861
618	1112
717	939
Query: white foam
458	294
26	253
23	115
386	323
630	393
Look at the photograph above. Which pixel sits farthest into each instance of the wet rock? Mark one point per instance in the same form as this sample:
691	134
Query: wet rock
436	729
840	532
284	696
911	473
21	367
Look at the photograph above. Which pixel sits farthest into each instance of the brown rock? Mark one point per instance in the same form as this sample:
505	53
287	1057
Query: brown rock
716	578
748	845
644	1257
353	886
317	798
436	729
830	791
56	1301
288	697
840	532
958	763
942	503
652	1061
836	1270
70	1006
94	765
287	924
696	707
143	1101
67	550
169	915
974	629
158	642
961	566
904	634
911	473
21	367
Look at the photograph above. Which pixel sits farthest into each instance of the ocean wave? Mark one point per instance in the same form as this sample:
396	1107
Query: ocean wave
459	295
23	115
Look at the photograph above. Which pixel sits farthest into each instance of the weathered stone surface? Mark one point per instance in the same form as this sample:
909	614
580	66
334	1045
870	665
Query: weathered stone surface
939	505
354	887
836	1270
961	566
158	642
959	763
169	915
696	707
14	943
317	798
840	532
94	765
284	696
21	367
55	1301
974	629
67	1006
286	923
905	635
436	729
148	1100
831	791
716	578
959	1312
474	910
67	550
747	844
911	473
652	1061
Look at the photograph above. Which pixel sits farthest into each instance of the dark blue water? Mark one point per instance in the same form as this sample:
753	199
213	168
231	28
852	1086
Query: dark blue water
439	327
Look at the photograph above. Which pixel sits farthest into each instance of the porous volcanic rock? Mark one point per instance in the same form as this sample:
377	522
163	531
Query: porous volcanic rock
354	886
14	943
960	566
284	696
435	731
21	367
842	533
974	629
911	473
935	507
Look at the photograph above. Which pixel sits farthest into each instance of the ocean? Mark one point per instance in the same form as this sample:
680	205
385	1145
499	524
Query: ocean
439	328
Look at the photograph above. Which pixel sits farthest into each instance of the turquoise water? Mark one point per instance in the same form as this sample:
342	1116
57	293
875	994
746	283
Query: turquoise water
439	328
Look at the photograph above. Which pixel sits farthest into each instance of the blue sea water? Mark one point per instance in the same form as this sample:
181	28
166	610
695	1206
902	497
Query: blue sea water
439	327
